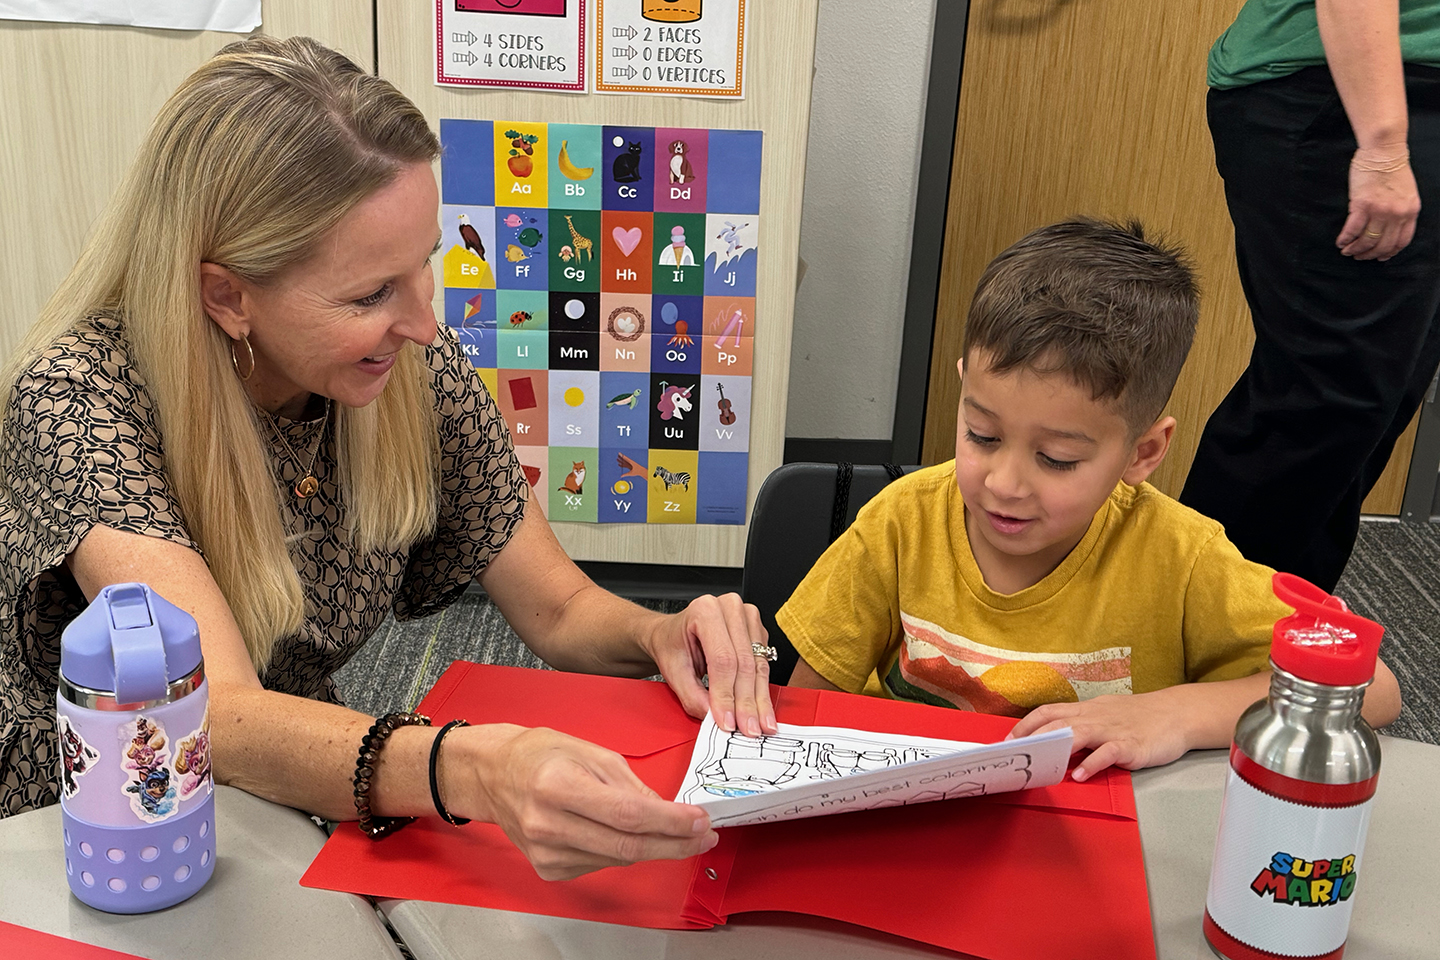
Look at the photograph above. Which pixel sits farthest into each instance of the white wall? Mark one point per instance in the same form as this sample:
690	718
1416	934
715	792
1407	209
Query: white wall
872	63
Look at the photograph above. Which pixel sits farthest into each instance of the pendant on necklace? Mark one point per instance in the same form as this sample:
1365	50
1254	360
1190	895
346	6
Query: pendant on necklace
306	486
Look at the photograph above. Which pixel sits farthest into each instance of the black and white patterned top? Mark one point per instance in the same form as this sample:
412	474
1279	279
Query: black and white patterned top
81	447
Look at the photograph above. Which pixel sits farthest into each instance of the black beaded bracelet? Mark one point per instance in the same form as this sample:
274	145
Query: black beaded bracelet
374	827
445	815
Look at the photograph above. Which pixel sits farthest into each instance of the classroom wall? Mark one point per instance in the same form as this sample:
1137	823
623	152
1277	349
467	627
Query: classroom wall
872	66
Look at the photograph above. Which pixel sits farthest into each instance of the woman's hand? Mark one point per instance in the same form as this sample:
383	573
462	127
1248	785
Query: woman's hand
1384	204
715	636
570	806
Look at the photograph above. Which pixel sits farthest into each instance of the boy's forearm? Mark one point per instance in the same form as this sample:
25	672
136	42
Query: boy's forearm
1214	708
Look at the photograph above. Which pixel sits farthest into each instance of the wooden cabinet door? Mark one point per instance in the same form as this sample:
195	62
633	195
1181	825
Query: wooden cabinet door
1098	107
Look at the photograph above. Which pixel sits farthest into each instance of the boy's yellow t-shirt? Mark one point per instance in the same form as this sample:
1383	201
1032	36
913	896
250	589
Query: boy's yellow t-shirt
1154	595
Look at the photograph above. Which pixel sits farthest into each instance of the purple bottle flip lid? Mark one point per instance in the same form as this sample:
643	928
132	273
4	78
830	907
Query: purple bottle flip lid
130	641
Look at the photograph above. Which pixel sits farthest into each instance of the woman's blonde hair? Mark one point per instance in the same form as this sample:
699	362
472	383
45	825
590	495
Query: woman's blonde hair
249	163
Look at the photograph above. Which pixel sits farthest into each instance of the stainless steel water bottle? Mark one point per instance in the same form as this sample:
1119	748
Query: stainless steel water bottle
137	797
1290	851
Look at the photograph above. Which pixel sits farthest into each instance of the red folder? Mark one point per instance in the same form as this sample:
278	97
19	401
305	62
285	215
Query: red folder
1045	873
16	941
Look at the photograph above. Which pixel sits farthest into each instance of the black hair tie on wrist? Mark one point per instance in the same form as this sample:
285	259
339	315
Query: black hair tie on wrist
445	815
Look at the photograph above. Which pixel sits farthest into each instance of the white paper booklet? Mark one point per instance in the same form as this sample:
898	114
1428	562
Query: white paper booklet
813	771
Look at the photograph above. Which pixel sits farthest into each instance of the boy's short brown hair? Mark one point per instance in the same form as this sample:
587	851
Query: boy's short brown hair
1096	301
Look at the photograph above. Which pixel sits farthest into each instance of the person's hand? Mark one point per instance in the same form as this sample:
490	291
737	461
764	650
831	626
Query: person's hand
1131	731
570	806
1384	204
715	636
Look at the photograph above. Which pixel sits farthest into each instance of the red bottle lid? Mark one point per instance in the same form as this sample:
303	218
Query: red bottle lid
1322	641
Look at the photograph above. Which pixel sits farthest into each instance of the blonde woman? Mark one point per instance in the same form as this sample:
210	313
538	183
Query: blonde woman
240	397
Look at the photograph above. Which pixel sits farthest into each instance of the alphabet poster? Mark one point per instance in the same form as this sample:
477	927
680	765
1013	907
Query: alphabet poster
526	44
602	282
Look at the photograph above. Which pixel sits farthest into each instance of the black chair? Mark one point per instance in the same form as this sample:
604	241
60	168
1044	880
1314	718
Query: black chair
800	510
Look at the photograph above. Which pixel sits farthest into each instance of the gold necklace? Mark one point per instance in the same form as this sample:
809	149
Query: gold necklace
306	485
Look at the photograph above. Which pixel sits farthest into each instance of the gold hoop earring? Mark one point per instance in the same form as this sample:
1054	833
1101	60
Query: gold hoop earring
235	360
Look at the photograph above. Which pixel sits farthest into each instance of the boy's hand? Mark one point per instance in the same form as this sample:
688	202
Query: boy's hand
1148	729
1133	731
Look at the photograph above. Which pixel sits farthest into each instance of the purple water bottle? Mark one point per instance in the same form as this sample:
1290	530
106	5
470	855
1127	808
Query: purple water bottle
137	797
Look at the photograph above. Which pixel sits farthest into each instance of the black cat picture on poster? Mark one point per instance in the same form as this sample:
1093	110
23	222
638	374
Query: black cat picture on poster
628	162
626	168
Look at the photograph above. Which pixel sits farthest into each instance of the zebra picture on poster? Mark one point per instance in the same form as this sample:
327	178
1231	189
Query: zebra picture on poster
602	282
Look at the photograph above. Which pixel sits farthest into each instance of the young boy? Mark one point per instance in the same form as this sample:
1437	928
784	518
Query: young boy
1037	575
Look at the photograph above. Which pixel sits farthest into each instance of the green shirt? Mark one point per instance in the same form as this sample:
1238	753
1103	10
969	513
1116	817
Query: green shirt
1272	38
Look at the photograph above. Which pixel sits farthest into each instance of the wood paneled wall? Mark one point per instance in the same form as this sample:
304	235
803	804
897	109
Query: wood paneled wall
1098	108
78	100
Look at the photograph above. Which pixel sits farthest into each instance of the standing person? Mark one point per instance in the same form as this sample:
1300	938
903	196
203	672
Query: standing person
1325	116
240	396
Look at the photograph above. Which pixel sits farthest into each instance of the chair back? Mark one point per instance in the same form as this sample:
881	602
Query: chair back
801	509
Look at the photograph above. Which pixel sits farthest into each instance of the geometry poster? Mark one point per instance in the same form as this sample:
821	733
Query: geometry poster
602	282
528	44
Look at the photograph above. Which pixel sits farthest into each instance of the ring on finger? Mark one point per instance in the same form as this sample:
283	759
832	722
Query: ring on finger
1371	235
764	652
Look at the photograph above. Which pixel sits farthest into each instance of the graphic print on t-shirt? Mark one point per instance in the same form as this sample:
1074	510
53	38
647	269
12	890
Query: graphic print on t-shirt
945	669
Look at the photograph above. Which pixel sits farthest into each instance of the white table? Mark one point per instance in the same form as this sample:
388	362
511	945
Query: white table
1179	807
253	908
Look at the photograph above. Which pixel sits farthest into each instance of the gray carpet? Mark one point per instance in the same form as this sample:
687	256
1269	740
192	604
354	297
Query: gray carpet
402	661
1393	578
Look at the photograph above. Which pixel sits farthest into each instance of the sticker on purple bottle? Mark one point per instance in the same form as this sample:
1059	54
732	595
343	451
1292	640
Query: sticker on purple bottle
147	756
77	757
192	760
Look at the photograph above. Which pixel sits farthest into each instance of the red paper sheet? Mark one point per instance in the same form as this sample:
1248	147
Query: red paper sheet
18	941
1033	875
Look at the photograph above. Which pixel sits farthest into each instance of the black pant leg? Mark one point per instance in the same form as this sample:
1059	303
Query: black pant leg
1344	349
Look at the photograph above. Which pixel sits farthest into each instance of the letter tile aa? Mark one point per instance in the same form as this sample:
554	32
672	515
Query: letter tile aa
522	168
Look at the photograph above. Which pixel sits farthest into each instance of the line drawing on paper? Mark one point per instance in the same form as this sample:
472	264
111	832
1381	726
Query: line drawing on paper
809	771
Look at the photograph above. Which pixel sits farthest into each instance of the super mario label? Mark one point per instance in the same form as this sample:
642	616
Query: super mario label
1310	883
1285	874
